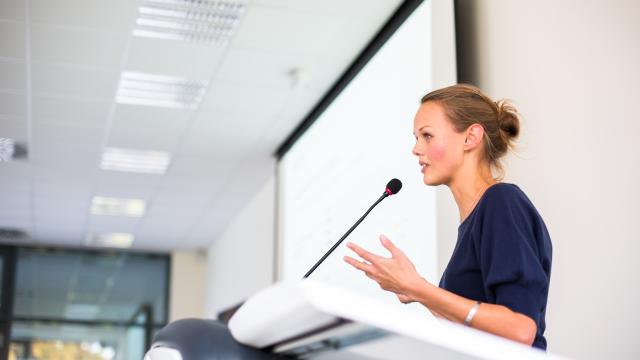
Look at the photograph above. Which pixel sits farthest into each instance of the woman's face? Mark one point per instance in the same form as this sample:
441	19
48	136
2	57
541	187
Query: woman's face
439	147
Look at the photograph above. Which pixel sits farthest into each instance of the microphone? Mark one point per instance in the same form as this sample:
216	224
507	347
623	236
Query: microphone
393	186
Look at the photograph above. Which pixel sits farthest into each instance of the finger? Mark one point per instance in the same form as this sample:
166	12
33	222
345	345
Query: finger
390	246
360	265
370	257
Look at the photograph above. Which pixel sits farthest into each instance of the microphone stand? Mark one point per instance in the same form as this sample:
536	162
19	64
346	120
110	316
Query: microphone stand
386	193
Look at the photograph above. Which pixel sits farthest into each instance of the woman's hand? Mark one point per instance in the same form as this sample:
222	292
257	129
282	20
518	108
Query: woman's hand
396	274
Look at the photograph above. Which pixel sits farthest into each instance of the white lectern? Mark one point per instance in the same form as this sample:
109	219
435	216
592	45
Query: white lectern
307	319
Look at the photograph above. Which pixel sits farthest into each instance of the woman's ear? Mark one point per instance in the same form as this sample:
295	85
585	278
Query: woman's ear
474	136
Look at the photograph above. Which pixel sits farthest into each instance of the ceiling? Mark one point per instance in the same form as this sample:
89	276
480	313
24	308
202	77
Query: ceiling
60	68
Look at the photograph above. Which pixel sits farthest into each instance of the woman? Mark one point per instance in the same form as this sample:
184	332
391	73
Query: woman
497	279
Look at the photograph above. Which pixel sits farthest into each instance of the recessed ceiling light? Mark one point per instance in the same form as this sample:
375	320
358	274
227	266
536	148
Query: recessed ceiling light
113	240
207	21
139	161
138	88
7	148
119	207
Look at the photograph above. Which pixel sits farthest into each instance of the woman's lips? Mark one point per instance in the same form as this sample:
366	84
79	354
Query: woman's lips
424	168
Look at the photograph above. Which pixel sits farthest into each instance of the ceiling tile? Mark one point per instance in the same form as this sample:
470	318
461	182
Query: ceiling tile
108	224
211	224
246	181
282	30
157	139
227	134
178	227
78	47
61	206
159	243
147	117
200	242
65	158
113	15
15	193
267	68
64	174
233	96
12	39
14	129
126	185
12	75
295	111
148	128
12	105
167	203
78	135
57	190
15	201
69	218
202	166
59	235
68	111
174	58
193	183
227	123
74	81
351	8
14	172
16	218
12	10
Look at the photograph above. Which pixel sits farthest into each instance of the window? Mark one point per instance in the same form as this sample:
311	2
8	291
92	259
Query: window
83	304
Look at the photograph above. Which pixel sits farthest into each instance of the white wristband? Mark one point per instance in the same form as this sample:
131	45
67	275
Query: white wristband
471	314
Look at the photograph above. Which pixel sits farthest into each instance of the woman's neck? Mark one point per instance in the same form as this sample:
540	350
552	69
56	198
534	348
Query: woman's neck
468	186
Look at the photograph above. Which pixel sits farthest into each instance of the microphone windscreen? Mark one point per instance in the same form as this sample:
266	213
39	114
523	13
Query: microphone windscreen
394	186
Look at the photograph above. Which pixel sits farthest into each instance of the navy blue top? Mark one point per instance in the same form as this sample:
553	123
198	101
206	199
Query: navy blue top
503	256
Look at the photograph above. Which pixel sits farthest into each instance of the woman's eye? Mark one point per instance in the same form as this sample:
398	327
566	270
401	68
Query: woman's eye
427	136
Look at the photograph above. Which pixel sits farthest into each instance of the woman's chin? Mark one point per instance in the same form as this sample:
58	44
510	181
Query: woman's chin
431	181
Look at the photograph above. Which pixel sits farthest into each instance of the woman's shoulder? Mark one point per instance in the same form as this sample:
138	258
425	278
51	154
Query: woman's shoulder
505	198
501	192
498	196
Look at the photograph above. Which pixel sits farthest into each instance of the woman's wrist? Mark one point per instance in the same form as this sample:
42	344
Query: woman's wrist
418	289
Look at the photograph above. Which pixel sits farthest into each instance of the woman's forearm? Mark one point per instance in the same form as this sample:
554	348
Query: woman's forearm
495	319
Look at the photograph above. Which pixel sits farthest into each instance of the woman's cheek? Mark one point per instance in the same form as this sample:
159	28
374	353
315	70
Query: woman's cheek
436	153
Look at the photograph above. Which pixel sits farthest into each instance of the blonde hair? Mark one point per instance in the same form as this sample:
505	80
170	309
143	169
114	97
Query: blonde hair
466	105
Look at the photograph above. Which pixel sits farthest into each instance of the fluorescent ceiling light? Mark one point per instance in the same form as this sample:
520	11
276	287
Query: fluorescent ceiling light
139	161
119	207
7	148
112	240
138	88
206	21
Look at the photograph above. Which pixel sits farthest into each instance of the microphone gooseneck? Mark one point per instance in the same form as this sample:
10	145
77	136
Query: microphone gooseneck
392	188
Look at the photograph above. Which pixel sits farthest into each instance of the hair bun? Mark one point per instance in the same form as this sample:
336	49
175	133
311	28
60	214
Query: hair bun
508	119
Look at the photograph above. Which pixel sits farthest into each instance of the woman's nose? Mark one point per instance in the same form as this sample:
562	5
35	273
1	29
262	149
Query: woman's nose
416	150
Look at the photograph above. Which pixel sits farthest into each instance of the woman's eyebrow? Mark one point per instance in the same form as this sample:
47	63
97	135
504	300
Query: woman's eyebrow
426	126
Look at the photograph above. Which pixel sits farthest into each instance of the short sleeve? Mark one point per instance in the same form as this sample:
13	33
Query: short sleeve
509	257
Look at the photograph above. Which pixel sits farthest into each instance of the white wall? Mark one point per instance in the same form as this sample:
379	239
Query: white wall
188	269
241	259
573	69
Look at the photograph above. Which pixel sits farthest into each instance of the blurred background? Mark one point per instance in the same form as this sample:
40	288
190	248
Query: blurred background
152	153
